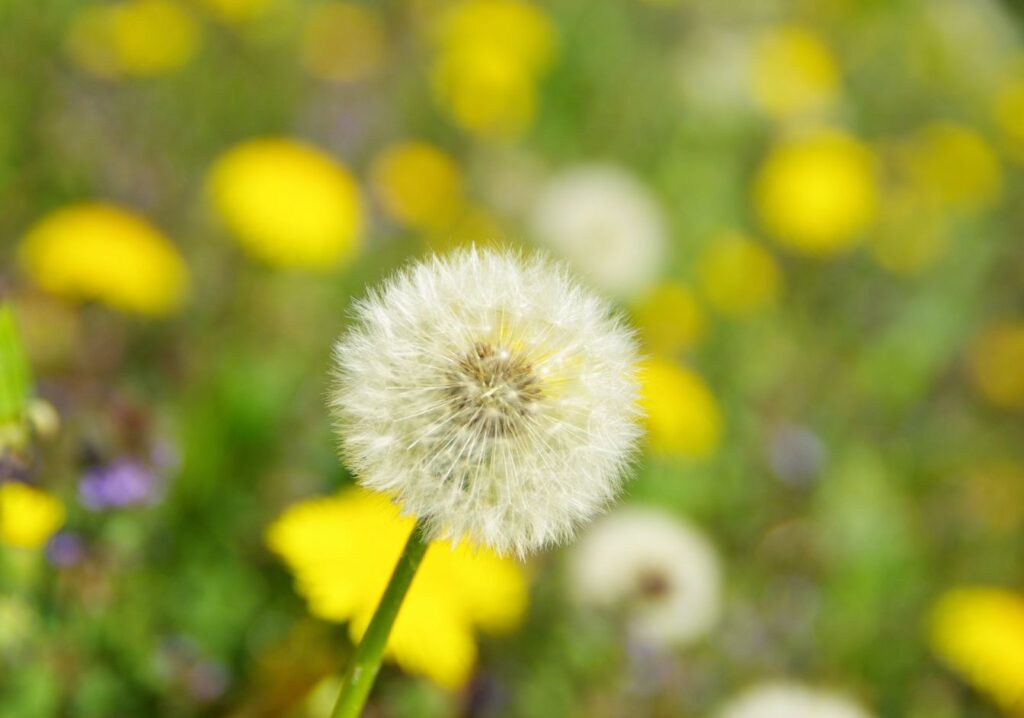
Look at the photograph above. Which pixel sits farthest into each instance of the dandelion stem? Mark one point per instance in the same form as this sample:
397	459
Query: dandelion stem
365	663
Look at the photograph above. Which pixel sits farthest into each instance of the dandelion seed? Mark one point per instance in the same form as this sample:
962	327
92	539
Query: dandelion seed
491	396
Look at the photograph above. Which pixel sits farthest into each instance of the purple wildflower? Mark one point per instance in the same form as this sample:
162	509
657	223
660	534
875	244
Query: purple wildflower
65	549
123	482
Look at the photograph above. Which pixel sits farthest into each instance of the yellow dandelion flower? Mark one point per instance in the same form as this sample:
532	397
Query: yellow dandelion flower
518	30
683	417
343	42
342	550
236	12
97	251
979	634
817	193
287	203
955	165
995	364
491	53
669	319
485	91
1008	112
793	72
137	38
28	516
418	185
738	276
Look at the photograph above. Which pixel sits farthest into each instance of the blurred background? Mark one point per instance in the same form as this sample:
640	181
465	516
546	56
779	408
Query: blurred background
810	210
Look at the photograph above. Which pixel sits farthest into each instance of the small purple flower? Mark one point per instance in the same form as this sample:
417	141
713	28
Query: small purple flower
123	482
65	549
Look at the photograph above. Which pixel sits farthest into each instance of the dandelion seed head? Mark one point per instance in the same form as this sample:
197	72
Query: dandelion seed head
790	700
491	395
662	571
607	224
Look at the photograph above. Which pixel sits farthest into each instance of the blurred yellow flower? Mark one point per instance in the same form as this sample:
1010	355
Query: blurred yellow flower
955	165
979	633
234	12
516	29
288	203
342	550
682	414
738	276
28	516
669	319
912	232
995	364
1008	112
136	38
793	72
817	193
343	41
485	91
418	185
96	251
491	54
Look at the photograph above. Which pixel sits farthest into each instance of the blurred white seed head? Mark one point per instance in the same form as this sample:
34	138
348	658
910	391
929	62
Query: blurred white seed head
661	571
790	700
491	395
606	224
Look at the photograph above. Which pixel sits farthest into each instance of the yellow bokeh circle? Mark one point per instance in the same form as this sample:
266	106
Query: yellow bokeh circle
288	203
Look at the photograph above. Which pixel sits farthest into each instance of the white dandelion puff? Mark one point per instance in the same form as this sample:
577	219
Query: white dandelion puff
491	396
606	224
660	570
790	700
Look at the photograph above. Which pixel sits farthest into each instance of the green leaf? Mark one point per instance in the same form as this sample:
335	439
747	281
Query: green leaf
15	380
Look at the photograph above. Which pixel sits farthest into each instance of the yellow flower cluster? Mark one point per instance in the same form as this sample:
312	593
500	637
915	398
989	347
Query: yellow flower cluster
343	42
979	633
793	73
287	203
28	516
738	276
683	417
490	57
136	38
817	193
100	252
995	364
342	551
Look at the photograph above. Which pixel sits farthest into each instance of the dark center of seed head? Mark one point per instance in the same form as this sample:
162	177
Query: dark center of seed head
493	390
653	585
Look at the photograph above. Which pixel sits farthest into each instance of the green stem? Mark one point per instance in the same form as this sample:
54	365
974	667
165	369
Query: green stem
365	663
